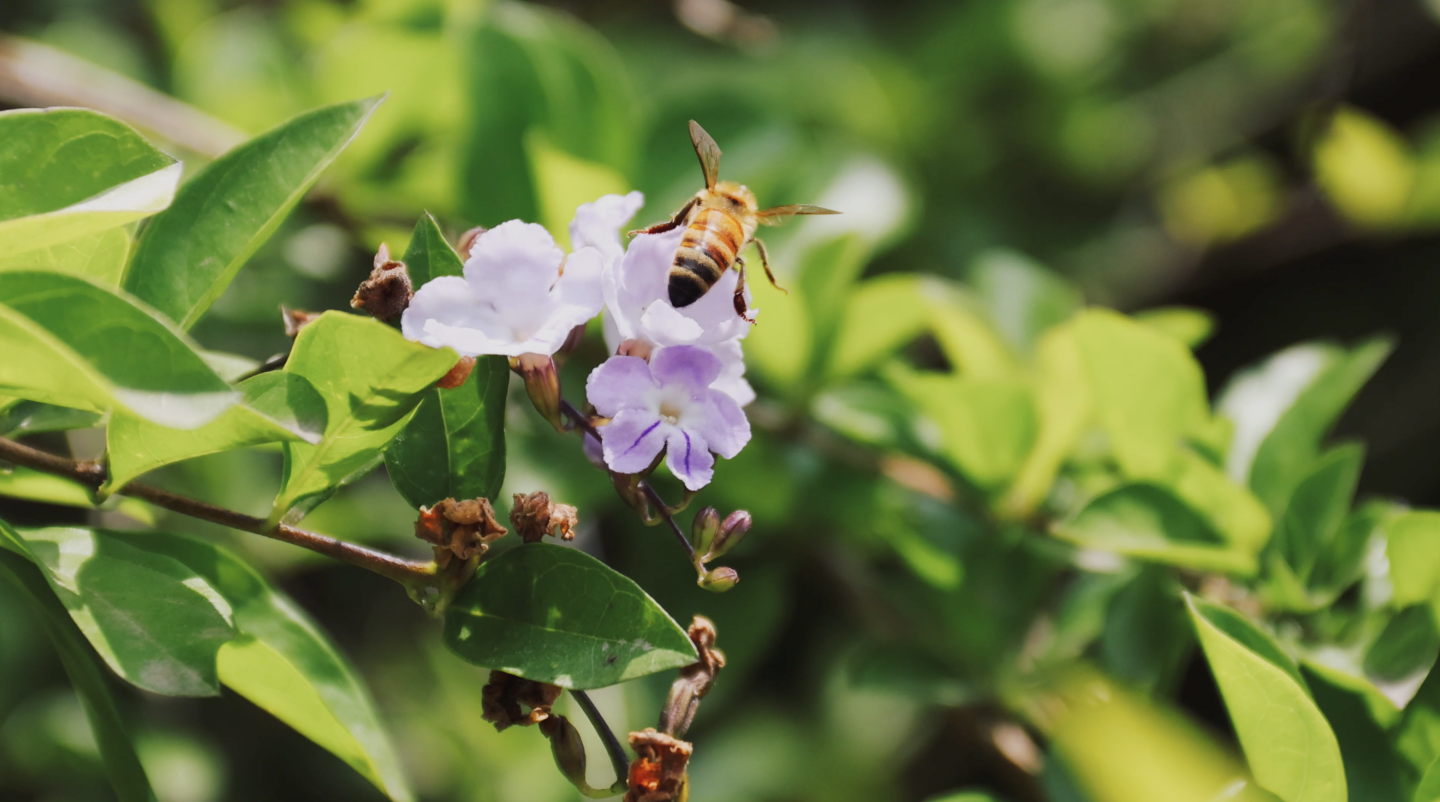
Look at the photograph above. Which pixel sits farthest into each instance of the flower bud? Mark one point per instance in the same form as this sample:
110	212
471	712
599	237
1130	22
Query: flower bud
542	384
719	580
703	530
387	291
467	241
457	374
567	748
732	531
572	342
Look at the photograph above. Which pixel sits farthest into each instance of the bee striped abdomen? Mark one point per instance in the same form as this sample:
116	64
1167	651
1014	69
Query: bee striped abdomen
707	250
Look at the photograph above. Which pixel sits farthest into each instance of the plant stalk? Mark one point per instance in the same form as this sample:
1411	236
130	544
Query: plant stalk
616	752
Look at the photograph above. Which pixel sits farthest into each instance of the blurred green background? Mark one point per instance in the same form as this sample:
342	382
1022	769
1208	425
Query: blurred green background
1275	163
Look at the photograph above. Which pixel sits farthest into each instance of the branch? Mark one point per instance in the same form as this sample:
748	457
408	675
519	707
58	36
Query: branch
618	760
410	573
583	421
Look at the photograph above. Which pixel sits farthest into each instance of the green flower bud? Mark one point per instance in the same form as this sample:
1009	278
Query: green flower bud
567	748
719	580
704	529
732	531
542	384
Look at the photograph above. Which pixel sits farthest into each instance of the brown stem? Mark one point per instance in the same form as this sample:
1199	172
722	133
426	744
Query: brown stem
583	421
410	573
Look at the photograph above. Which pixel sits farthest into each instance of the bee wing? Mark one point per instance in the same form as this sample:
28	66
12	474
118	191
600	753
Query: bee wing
775	214
709	153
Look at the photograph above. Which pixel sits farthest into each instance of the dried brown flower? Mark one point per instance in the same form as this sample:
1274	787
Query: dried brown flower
695	680
457	374
502	696
295	320
387	291
658	771
535	516
458	529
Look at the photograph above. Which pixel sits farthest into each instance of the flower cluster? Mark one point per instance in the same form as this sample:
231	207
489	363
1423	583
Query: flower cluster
675	382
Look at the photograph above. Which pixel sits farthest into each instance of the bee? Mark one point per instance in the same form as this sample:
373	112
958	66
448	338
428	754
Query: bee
719	221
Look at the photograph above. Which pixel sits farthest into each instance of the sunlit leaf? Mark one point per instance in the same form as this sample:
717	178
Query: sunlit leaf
429	255
1191	327
1365	168
33	417
877	319
563	182
70	173
986	427
969	341
558	615
276	407
1063	407
31	485
1287	742
1318	507
371	379
1413	548
117	751
71	342
101	256
188	256
1147	522
1023	297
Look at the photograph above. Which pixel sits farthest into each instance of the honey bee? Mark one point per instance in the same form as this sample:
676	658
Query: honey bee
719	221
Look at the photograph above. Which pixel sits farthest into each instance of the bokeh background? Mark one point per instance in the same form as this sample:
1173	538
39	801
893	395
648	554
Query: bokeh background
1275	163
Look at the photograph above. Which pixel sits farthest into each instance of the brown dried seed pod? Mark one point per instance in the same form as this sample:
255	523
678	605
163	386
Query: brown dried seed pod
387	291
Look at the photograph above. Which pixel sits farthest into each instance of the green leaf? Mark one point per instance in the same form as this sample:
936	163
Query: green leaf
371	379
1318	506
1149	392
152	619
429	255
33	417
117	751
966	337
1343	563
1145	640
1232	510
986	426
1429	788
101	256
189	254
20	482
1284	407
1365	168
71	342
1289	745
276	407
1372	768
1417	738
1147	522
1190	327
878	318
454	446
1406	646
285	664
557	615
1413	547
70	173
1023	297
1063	407
563	182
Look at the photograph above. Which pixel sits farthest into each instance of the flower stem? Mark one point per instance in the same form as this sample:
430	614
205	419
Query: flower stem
584	423
618	760
410	573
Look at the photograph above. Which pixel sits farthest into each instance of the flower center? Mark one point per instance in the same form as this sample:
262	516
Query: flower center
670	413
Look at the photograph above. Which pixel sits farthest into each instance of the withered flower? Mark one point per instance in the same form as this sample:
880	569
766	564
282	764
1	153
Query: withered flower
502	696
458	529
535	516
295	320
658	772
387	291
695	680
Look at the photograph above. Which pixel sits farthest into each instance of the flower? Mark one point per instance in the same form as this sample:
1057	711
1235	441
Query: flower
520	295
667	404
637	299
597	224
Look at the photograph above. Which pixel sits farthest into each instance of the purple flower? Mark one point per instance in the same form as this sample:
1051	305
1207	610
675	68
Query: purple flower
667	404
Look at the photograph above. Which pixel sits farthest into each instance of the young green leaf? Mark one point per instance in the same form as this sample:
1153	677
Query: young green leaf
1417	738
555	614
1190	327
1063	407
875	321
31	485
1318	507
1290	747
117	751
276	407
101	256
371	379
1147	522
986	426
71	173
1284	407
189	254
33	417
454	446
1024	298
1149	391
1413	547
429	255
151	618
72	342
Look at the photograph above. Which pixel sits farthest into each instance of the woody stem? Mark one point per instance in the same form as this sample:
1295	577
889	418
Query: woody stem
410	573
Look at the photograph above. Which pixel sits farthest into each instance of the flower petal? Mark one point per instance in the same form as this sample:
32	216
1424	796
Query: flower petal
446	312
620	383
723	425
663	324
597	224
632	439
516	261
689	458
732	375
688	366
639	278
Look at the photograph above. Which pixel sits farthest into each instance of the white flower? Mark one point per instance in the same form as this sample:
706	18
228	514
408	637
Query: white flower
597	224
637	299
667	403
520	295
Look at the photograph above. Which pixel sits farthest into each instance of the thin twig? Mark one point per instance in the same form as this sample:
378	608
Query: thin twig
584	423
618	760
409	573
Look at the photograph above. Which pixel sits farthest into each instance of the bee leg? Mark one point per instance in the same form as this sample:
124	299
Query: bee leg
765	263
669	225
741	308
